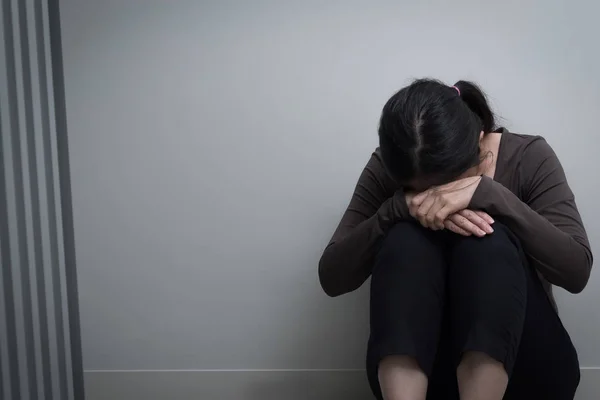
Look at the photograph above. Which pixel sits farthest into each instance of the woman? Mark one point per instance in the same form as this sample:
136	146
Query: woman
463	229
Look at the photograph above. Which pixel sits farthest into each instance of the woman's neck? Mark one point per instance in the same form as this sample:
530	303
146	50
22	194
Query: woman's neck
489	146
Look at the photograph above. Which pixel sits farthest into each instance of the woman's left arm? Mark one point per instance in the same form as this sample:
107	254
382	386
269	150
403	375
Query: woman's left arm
547	220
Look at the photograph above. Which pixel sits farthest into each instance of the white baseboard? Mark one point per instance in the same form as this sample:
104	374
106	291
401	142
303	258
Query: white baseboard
253	385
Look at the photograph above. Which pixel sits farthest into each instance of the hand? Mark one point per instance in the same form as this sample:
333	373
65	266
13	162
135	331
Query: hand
435	205
467	223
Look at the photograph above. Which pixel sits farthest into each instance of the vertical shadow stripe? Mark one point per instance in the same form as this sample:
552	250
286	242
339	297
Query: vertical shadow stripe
39	283
66	200
54	264
20	234
7	279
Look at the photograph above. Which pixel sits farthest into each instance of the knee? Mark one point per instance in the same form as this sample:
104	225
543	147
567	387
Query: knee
401	237
402	230
502	241
493	260
406	244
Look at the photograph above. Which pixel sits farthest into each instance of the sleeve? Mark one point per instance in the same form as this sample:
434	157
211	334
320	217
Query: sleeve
348	259
547	221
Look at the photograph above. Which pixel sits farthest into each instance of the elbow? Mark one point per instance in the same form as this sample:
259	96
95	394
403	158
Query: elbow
339	275
328	282
579	266
579	280
329	278
331	291
576	286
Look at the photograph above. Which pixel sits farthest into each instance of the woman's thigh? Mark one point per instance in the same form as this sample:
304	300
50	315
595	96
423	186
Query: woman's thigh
485	306
407	297
487	289
408	275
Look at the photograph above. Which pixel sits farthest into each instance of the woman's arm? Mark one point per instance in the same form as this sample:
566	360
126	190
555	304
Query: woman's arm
348	259
547	222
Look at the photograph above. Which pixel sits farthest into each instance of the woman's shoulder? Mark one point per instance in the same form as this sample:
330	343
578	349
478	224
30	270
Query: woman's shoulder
530	150
529	156
520	140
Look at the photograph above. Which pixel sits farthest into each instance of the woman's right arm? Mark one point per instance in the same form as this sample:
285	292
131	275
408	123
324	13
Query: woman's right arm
348	259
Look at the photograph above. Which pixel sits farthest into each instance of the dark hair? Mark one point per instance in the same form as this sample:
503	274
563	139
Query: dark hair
431	130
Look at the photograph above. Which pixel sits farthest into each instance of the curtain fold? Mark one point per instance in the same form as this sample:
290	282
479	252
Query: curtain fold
40	345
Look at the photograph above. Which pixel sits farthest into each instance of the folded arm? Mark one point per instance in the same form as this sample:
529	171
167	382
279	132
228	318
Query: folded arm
547	221
348	259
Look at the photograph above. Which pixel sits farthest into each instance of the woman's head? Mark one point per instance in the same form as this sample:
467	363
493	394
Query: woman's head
429	132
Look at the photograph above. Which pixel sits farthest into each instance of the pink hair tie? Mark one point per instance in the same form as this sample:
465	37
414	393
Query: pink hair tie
457	89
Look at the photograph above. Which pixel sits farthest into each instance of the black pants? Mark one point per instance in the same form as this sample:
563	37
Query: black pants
436	295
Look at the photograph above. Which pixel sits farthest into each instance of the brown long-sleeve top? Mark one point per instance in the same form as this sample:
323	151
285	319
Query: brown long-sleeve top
529	194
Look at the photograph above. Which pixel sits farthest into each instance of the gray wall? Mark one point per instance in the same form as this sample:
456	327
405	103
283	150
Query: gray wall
216	144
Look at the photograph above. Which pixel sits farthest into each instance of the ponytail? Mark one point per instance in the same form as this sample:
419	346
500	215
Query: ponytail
475	99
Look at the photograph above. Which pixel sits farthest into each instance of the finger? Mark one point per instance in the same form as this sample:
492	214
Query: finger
451	226
423	211
437	213
467	225
485	216
442	215
477	220
432	215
